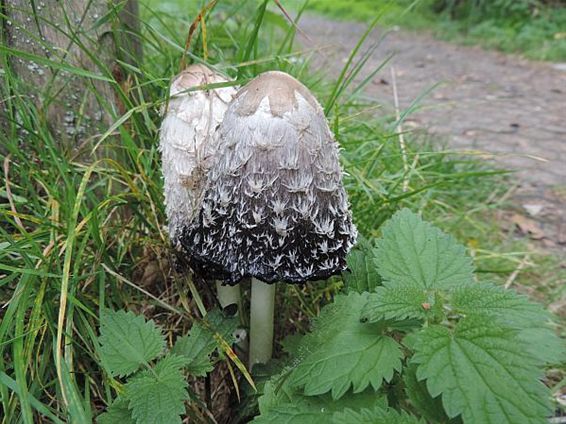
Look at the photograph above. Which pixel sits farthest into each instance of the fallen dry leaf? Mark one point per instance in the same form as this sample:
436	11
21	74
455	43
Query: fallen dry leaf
528	226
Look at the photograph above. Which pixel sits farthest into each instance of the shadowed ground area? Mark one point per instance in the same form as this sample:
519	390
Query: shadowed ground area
511	109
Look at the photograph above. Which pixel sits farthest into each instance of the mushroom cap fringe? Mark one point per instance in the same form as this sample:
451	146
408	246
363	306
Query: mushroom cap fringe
186	142
274	207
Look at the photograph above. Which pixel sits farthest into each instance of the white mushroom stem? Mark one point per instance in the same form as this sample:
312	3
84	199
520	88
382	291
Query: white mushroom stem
261	322
228	295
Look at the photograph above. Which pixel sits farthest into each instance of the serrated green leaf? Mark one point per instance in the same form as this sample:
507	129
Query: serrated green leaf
157	396
414	253
280	404
420	398
543	344
483	373
362	273
197	347
117	413
512	310
374	416
506	306
127	341
395	303
291	413
346	352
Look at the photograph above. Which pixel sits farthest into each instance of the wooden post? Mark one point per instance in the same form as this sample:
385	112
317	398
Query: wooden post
90	35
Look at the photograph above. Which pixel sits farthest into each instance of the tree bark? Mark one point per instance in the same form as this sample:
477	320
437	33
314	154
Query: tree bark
77	35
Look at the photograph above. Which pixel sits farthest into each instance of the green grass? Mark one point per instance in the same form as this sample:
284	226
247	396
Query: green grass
78	235
535	33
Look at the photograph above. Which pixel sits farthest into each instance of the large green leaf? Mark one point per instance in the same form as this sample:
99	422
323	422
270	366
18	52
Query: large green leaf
482	371
377	415
157	396
417	254
420	398
506	306
127	341
512	310
281	404
345	352
543	344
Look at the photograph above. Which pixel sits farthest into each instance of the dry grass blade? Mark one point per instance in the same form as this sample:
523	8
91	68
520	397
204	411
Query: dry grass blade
69	245
293	22
9	192
198	20
399	130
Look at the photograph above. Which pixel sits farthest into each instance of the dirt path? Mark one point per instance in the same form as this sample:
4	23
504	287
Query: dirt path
503	105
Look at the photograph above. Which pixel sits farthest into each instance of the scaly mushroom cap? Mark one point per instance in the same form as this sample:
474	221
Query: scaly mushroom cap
274	207
187	143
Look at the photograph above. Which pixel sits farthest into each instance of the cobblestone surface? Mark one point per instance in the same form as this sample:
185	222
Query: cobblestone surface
512	109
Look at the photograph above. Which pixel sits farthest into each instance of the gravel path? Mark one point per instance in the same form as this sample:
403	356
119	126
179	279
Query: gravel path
503	105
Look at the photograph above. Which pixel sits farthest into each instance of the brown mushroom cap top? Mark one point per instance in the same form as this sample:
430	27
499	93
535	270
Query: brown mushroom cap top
279	88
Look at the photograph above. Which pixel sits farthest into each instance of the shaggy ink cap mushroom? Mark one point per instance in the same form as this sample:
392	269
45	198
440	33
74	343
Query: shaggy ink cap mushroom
274	208
187	141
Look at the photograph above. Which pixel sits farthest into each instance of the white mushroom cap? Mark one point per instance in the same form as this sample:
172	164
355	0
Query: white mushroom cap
274	207
187	141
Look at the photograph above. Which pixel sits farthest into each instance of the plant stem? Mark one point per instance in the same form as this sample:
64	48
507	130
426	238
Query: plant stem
261	322
228	295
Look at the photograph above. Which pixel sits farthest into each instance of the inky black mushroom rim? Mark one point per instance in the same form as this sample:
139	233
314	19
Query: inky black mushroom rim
302	239
210	271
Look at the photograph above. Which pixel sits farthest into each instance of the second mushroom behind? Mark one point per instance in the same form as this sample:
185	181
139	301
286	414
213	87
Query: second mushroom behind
187	143
274	208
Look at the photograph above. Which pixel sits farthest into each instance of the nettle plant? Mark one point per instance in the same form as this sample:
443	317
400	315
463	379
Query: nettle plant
416	338
156	386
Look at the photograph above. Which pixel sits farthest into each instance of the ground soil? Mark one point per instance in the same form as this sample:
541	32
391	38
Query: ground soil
506	108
